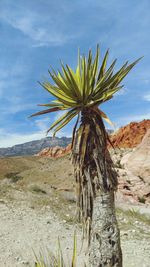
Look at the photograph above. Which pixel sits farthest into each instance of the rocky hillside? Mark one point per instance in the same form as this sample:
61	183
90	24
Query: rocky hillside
33	147
130	135
58	173
132	165
55	152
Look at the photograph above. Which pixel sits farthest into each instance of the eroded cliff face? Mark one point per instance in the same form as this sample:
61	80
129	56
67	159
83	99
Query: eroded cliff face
130	135
55	152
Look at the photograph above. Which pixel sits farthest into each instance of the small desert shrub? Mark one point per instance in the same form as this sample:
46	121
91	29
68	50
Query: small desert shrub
57	260
37	189
133	215
136	215
13	176
142	200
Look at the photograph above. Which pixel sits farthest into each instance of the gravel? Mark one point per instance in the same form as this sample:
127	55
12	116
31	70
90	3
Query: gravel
25	229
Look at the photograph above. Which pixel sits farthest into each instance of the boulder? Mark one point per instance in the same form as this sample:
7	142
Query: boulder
138	161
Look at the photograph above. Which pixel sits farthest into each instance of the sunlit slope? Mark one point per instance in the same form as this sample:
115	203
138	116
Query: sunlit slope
34	169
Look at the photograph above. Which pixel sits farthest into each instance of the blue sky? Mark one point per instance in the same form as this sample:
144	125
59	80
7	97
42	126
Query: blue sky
35	34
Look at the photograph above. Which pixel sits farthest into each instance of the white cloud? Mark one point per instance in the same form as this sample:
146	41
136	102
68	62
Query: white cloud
40	29
12	90
13	109
147	97
43	124
9	139
12	138
11	79
40	35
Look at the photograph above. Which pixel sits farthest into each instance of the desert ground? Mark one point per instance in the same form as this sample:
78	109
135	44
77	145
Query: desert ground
37	205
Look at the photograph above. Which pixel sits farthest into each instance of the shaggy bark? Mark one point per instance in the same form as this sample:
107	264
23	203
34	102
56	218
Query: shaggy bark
96	182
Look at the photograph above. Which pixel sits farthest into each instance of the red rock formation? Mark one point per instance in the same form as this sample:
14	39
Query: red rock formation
55	152
127	137
130	135
134	170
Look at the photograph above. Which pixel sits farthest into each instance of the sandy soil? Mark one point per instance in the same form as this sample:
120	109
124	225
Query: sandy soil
25	230
33	214
24	227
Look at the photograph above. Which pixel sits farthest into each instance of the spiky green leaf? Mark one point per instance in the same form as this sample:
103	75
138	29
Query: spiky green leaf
85	87
65	121
103	66
45	111
61	119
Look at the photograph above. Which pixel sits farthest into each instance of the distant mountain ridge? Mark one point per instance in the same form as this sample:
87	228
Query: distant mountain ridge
128	136
33	147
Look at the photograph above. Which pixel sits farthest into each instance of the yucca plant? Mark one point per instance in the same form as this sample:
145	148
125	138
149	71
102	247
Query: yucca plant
57	260
81	93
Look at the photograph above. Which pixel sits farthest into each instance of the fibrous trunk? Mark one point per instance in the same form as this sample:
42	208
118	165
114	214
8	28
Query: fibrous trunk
105	248
96	181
